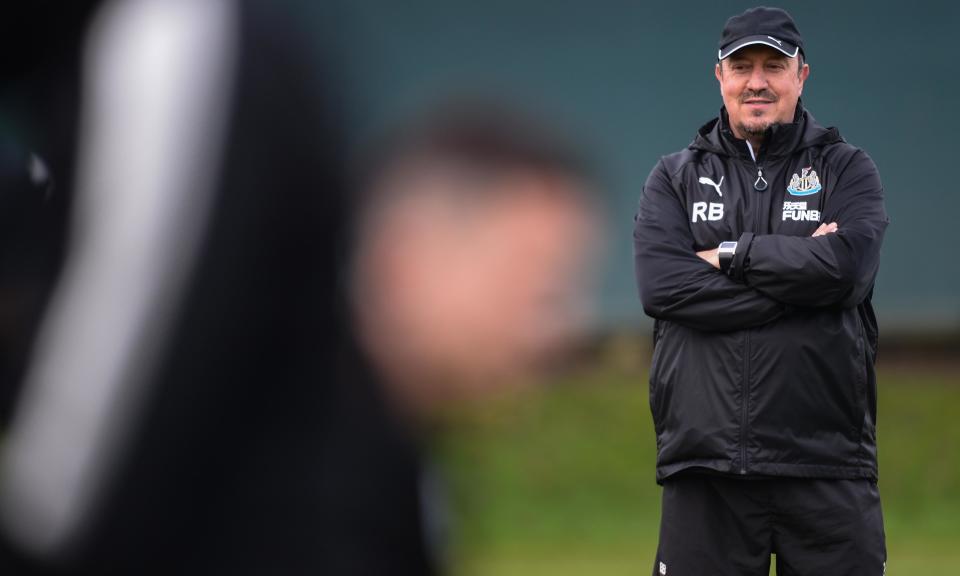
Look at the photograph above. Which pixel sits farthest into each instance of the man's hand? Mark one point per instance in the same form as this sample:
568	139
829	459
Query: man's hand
711	256
825	229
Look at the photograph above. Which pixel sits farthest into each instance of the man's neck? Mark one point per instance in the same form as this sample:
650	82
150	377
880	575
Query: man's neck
754	142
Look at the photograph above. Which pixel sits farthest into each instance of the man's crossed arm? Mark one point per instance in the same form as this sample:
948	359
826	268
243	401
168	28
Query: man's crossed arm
836	266
712	256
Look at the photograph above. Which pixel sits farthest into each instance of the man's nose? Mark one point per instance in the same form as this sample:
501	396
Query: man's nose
758	79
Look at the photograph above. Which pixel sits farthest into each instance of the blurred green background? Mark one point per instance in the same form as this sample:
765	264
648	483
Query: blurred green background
559	480
633	80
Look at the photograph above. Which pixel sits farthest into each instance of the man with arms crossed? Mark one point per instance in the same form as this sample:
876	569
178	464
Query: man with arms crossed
756	252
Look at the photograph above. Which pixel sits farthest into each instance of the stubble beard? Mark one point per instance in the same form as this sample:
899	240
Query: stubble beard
755	126
759	126
756	129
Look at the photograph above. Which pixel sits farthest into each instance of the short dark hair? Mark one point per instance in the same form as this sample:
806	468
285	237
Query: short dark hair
479	140
489	137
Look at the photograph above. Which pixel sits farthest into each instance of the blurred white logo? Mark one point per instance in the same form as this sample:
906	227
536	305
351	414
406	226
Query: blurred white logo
663	569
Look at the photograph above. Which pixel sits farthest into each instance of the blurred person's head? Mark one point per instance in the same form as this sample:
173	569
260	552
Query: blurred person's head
468	268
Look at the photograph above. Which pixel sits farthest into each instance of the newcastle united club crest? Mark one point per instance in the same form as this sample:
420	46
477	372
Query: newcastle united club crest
805	184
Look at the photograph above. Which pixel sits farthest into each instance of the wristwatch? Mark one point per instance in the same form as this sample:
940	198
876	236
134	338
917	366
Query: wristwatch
725	254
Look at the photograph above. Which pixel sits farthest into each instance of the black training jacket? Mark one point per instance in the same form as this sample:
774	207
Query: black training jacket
767	370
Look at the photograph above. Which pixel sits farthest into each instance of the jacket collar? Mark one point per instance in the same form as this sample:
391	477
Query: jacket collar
780	140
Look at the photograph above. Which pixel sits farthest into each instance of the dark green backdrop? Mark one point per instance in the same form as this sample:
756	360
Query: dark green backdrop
634	80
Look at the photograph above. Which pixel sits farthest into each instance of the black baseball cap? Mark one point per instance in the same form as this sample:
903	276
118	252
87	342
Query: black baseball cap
770	26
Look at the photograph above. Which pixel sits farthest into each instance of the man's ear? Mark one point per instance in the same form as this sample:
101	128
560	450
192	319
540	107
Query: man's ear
804	72
718	72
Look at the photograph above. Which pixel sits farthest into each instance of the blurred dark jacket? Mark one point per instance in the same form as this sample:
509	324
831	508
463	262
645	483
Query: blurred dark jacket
264	446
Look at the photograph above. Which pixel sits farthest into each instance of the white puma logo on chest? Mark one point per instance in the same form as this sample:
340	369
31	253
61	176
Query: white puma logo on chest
716	185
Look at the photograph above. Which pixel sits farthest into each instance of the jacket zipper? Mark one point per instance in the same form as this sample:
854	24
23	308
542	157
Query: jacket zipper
760	184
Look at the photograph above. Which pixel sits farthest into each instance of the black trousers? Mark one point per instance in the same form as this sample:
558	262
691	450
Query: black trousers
722	526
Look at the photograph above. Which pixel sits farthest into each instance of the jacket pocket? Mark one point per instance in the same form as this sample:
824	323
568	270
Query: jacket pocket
808	390
860	390
695	384
655	363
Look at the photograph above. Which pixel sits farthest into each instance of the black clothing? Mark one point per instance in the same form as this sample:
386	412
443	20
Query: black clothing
374	489
264	447
719	526
769	369
39	108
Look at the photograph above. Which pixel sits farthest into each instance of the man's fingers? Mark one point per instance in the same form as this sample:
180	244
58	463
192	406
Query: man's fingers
711	256
826	229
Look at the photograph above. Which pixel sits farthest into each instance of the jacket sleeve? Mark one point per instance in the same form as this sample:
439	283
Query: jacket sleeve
836	269
677	285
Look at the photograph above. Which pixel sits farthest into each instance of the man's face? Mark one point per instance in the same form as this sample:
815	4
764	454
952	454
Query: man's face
760	87
468	293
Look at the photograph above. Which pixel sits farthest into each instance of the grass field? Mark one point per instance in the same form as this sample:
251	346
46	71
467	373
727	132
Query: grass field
560	480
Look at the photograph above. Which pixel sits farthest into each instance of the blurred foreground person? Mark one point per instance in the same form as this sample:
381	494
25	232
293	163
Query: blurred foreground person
194	390
467	274
169	412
